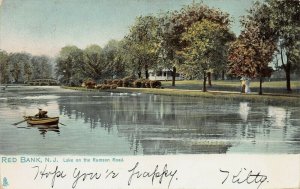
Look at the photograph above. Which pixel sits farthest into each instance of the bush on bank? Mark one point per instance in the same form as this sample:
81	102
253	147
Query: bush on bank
125	82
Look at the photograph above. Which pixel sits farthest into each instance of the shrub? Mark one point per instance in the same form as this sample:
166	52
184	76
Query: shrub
98	86
114	86
105	86
89	83
148	84
137	83
155	84
115	81
109	82
128	81
118	82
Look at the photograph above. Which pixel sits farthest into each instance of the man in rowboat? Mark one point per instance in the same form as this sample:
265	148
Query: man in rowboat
41	114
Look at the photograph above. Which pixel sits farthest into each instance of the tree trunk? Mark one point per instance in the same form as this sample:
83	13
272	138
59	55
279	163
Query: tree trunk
260	85
139	75
287	69
204	82
288	76
146	72
173	76
223	75
209	78
216	76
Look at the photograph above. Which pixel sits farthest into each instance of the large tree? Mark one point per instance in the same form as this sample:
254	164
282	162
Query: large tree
284	20
17	63
69	65
113	56
4	67
174	24
142	44
94	62
39	68
251	54
205	49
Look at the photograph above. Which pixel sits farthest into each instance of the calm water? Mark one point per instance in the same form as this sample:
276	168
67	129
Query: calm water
133	124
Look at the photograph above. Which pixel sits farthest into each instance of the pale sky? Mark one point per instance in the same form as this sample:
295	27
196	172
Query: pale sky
45	26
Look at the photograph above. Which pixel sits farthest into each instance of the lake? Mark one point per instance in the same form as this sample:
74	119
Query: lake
104	123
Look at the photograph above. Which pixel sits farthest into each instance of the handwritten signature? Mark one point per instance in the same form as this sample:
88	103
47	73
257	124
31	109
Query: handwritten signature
244	176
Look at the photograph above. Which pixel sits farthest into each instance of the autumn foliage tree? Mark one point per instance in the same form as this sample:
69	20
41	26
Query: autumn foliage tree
252	52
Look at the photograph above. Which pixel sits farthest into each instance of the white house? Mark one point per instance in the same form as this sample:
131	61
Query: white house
164	75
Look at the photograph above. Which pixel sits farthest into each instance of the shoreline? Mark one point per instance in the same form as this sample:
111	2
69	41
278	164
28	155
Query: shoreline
283	99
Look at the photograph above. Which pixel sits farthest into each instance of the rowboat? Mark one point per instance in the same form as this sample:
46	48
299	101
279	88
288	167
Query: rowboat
32	120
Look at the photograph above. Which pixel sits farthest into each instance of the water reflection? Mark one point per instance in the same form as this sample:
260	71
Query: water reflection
104	123
170	125
160	125
244	110
43	129
279	116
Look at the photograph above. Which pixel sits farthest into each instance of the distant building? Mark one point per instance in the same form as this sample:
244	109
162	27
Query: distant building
164	75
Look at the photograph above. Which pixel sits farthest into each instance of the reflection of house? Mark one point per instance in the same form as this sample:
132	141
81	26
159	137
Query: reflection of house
164	74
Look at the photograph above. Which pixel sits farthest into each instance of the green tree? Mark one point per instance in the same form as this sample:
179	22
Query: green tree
142	44
284	20
173	24
206	42
94	63
4	67
41	67
17	61
69	65
114	58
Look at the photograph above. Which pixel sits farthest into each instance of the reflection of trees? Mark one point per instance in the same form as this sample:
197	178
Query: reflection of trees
169	125
268	124
158	125
97	113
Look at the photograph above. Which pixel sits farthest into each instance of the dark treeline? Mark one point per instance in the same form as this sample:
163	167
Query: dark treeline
23	67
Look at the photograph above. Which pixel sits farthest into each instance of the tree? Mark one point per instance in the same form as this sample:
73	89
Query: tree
113	56
27	71
206	42
17	61
142	44
284	20
174	24
94	63
251	54
69	65
4	67
40	67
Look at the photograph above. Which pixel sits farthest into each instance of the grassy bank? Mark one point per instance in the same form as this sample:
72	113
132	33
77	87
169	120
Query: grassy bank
273	99
268	86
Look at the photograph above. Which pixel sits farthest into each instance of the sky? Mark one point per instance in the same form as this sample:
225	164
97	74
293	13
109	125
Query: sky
43	27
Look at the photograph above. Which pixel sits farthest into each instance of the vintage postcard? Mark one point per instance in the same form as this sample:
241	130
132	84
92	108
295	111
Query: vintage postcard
168	94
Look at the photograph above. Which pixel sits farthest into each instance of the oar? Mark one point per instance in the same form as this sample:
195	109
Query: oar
62	124
19	122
